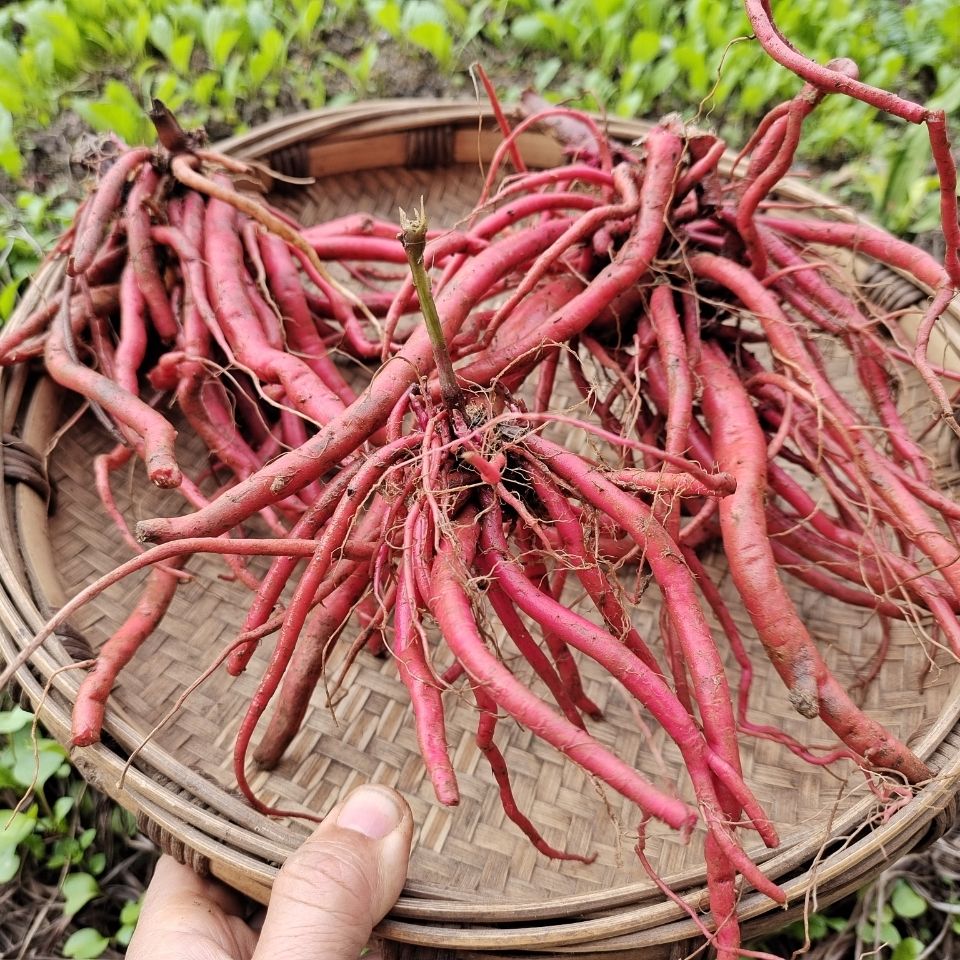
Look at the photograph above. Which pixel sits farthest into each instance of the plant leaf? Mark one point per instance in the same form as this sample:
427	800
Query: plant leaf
13	720
386	14
223	46
78	890
817	925
11	160
180	52
267	57
16	827
908	949
130	912
61	807
528	28
435	39
161	33
86	944
890	935
35	765
644	46
308	20
9	864
906	902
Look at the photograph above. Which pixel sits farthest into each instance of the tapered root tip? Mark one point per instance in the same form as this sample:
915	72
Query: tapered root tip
266	760
85	738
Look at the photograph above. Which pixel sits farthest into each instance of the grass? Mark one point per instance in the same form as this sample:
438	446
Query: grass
911	910
71	70
72	866
233	62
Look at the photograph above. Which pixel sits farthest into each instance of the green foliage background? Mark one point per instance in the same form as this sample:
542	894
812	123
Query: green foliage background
61	834
67	66
235	61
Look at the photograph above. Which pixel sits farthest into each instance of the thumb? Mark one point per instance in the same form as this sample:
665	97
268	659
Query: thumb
340	883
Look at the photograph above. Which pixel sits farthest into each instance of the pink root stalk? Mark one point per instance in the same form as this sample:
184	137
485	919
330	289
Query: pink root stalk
118	651
740	448
453	610
343	435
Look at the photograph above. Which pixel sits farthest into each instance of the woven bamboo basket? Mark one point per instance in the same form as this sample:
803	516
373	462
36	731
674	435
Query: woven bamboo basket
476	887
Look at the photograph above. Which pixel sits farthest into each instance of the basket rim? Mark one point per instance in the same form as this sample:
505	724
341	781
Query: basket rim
234	845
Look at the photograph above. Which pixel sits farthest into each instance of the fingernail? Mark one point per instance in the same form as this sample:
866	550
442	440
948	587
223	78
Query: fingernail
370	811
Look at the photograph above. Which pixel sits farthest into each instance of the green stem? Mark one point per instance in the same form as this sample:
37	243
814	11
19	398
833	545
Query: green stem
413	236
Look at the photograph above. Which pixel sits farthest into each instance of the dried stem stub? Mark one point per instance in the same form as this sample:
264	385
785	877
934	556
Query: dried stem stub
413	236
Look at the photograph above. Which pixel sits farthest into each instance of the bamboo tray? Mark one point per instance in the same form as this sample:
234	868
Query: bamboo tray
476	886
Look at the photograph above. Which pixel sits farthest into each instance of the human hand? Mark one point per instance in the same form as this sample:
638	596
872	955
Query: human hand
326	900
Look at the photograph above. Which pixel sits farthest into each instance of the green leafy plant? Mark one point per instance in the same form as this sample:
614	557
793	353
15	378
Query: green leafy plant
29	225
894	918
104	59
116	111
900	927
230	62
128	921
816	927
50	824
696	57
87	943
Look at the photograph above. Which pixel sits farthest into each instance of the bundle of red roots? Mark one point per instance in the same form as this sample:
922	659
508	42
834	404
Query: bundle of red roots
396	440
